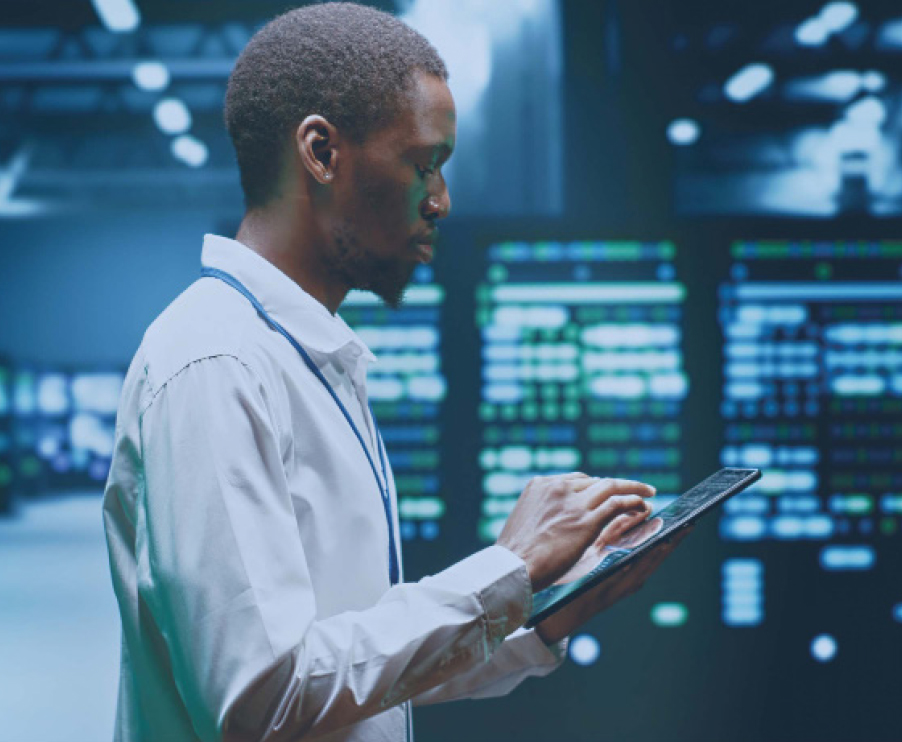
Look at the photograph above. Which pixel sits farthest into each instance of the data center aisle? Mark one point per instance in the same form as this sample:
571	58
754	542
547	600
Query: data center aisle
59	626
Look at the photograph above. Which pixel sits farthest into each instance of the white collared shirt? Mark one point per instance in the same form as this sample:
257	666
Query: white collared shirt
249	546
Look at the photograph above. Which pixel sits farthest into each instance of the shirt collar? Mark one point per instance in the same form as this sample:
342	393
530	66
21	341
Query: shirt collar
308	321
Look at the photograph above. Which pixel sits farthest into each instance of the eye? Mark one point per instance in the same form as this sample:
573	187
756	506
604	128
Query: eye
425	172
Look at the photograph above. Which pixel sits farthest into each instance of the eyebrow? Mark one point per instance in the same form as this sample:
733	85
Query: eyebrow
442	151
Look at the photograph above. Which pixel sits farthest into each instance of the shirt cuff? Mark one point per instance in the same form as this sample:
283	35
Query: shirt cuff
500	581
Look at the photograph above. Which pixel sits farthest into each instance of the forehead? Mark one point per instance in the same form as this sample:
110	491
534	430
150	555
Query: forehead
427	117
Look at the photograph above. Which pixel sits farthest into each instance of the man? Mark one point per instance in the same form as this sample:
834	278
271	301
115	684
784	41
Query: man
250	513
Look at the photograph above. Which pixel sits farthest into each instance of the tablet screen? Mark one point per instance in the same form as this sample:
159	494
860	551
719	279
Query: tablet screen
596	566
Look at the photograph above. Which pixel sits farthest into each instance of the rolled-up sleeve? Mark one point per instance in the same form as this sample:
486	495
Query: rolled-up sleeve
222	570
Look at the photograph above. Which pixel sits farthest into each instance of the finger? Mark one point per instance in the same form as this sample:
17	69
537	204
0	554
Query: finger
606	488
616	505
623	522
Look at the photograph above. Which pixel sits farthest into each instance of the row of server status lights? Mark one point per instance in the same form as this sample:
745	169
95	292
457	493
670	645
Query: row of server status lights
582	366
407	389
813	396
56	429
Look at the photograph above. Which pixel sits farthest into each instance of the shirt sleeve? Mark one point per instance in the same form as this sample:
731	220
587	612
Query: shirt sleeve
222	570
522	655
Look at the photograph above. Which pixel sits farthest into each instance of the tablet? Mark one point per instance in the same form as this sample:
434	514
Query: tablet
686	509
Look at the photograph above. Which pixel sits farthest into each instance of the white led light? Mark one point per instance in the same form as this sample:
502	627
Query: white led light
151	76
812	33
172	116
823	648
748	82
584	649
873	81
838	16
683	132
119	16
189	150
869	110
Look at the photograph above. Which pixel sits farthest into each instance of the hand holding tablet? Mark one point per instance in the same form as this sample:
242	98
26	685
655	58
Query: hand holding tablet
603	558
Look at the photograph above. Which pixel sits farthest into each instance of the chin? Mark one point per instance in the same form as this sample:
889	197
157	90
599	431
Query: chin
393	299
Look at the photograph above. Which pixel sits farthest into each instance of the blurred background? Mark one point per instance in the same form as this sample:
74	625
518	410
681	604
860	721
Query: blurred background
675	245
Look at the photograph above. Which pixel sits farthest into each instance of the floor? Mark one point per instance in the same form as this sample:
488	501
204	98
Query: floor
59	625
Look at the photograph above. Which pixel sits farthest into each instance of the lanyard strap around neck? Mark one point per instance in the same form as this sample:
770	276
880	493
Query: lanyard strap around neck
393	570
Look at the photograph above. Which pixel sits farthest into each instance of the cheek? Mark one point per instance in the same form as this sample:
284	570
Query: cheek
396	205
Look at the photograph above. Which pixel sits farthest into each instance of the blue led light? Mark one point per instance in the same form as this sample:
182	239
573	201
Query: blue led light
742	592
743	528
429	530
847	558
742	617
743	568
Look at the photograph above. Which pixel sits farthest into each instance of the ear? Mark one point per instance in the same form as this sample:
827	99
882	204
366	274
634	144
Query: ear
317	144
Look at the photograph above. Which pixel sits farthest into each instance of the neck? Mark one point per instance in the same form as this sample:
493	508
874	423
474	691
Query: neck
280	236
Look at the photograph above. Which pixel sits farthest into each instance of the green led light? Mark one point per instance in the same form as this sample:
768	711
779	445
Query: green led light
623	251
497	273
30	466
663	482
424	459
669	614
603	459
888	526
613	433
858	504
823	271
410	483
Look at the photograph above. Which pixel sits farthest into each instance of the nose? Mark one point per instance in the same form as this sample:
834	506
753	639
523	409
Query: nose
437	206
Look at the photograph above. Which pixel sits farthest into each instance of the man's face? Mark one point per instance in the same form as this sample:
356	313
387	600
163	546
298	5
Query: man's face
388	206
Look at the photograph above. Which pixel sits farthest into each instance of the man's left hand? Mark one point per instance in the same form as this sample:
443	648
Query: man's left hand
620	585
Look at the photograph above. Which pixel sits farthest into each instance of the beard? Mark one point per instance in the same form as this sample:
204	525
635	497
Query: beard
358	268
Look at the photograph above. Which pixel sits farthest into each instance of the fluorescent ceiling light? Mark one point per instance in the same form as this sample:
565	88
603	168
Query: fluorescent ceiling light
172	116
748	82
119	16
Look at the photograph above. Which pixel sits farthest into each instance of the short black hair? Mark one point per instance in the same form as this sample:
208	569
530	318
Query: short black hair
349	63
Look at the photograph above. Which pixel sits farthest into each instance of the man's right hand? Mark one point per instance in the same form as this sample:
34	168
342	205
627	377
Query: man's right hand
556	518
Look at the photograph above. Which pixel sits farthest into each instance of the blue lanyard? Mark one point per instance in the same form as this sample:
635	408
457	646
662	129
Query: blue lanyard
393	571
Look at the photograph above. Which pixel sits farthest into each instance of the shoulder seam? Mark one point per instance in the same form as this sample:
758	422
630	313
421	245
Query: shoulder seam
184	368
